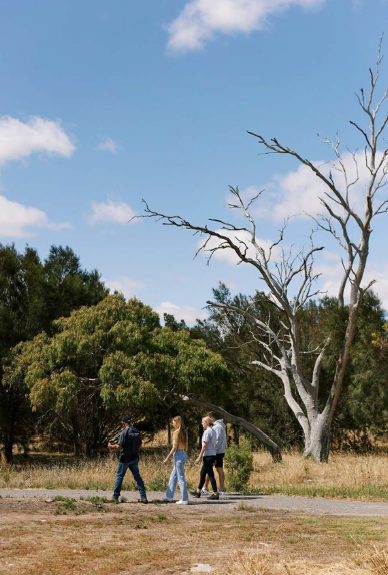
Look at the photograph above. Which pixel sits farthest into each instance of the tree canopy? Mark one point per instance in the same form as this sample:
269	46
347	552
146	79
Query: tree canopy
108	359
32	294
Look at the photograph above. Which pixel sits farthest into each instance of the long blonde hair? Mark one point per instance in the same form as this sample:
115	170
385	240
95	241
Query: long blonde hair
182	433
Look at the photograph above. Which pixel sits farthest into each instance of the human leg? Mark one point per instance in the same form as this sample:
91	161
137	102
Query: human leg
202	476
134	467
121	471
220	469
210	471
172	483
180	460
221	478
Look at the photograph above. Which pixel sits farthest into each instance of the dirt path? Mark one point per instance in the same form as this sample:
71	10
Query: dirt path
311	505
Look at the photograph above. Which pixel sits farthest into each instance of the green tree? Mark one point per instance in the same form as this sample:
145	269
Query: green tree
109	359
32	295
255	394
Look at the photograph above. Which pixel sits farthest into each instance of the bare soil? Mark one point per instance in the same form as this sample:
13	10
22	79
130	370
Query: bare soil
41	537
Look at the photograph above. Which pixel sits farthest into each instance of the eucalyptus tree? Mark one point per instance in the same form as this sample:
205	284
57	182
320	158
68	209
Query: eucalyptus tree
290	280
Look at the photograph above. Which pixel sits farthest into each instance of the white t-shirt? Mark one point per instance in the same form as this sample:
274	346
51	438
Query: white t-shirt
209	436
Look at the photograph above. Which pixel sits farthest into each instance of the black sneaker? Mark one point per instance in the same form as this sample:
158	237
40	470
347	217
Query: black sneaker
195	494
214	496
143	500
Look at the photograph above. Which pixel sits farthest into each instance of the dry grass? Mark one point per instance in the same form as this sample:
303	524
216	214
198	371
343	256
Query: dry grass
374	559
362	477
264	564
249	563
90	474
253	564
346	475
97	538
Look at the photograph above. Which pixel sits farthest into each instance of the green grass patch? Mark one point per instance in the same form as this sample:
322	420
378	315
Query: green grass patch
368	492
95	500
64	499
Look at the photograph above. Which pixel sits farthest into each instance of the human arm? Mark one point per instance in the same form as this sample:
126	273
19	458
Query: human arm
218	431
173	450
204	446
119	444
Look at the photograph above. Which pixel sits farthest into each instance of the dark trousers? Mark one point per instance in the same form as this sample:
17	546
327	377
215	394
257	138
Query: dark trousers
121	470
208	469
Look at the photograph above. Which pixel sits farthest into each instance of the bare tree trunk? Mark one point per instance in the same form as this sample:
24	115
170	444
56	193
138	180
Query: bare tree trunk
8	449
317	444
263	438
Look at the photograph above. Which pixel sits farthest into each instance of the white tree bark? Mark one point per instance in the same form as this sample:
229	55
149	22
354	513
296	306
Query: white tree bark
284	356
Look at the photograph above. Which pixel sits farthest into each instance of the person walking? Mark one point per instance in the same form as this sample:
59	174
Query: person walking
220	429
208	455
129	444
178	452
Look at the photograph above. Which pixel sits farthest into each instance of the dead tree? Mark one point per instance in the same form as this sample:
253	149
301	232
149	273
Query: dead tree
291	279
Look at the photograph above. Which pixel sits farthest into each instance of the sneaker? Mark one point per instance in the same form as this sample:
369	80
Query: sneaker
143	500
221	493
204	491
112	500
195	494
167	499
214	496
181	502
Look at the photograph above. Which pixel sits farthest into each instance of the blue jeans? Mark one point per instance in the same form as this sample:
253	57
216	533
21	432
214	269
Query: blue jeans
178	476
133	466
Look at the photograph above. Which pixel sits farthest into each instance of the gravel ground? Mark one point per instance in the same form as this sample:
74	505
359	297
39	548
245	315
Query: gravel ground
311	505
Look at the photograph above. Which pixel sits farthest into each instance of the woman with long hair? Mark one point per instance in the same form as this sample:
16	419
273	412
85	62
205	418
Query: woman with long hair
178	452
208	456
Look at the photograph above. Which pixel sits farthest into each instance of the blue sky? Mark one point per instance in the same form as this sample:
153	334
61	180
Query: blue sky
106	103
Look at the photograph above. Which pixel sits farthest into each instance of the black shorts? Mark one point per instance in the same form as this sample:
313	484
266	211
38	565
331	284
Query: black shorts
220	460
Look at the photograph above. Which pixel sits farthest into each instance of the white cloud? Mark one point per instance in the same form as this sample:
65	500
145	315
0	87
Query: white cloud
201	20
297	193
185	312
124	285
110	211
18	140
108	145
18	221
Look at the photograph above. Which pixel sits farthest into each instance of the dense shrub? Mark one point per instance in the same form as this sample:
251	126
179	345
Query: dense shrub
239	465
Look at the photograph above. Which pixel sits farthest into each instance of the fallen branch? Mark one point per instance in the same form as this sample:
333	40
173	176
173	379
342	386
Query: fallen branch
261	436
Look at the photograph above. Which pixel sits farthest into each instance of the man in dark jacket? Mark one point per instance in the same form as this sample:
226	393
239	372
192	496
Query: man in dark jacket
129	444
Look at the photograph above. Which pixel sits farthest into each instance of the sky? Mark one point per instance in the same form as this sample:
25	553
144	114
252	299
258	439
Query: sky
105	103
